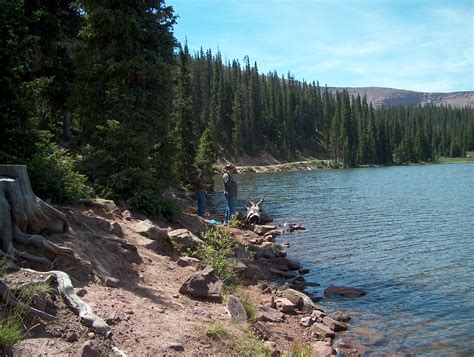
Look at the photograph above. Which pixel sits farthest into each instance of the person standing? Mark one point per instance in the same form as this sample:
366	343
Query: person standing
201	192
230	191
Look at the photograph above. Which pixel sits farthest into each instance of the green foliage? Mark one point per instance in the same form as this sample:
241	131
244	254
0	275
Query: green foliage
250	307
217	332
11	332
32	292
218	248
53	175
234	222
206	155
247	344
154	204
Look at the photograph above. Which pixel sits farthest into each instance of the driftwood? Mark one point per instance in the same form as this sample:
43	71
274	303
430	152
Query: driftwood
256	214
24	219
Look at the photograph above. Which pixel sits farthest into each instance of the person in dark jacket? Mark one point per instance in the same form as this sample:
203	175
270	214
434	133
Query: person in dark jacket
200	187
230	191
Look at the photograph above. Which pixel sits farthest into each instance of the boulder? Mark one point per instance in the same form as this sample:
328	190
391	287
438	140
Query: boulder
236	310
253	272
334	325
111	282
307	321
321	331
263	229
348	346
284	305
182	240
322	349
285	274
340	316
301	300
344	291
204	285
147	229
290	264
269	314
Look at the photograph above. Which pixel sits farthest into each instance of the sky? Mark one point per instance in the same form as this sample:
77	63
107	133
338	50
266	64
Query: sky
420	45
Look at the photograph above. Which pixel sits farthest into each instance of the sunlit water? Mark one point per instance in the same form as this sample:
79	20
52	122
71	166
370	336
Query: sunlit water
404	234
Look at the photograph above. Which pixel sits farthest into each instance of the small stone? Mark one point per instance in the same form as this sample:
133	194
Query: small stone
307	321
176	346
127	215
129	312
176	296
91	335
111	282
200	311
71	336
88	350
81	292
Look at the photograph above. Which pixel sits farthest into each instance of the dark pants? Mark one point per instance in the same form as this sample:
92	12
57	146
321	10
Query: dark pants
201	202
230	209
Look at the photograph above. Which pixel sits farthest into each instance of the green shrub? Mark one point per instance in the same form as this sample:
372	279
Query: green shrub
152	203
54	176
299	349
219	246
217	332
250	307
234	222
247	344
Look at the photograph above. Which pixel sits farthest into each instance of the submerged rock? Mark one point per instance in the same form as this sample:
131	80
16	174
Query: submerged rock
344	291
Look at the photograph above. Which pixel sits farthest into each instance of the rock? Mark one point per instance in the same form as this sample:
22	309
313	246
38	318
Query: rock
253	272
71	336
270	314
81	292
89	350
240	267
91	335
318	315
322	331
301	300
340	316
113	319
296	227
322	349
263	229
203	284
236	310
109	205
290	264
187	261
303	271
348	346
116	229
334	325
284	305
307	321
266	251
201	312
147	229
176	346
182	240
311	284
344	291
127	215
111	282
286	274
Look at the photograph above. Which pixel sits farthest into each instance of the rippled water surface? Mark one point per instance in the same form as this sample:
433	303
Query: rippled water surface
404	234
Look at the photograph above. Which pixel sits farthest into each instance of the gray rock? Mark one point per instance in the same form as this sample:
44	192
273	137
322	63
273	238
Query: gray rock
187	261
322	349
348	346
270	314
344	291
307	321
81	292
116	229
111	282
236	310
176	346
304	271
263	229
204	285
71	336
183	239
301	300
291	264
253	271
340	316
284	305
286	274
147	229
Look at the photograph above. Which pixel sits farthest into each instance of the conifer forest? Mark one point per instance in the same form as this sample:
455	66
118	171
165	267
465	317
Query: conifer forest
100	95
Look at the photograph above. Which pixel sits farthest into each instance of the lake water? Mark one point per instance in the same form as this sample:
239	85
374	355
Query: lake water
404	234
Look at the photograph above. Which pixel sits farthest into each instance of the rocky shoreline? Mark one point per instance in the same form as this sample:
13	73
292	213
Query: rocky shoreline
137	275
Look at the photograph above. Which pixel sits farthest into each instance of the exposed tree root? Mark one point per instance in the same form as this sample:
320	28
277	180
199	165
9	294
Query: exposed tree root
10	299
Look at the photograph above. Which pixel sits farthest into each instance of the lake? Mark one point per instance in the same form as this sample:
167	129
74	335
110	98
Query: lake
405	234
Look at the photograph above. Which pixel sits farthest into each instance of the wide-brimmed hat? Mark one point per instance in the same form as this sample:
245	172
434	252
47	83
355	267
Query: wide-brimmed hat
229	166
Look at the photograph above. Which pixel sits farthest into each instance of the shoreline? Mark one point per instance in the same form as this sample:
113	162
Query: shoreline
320	164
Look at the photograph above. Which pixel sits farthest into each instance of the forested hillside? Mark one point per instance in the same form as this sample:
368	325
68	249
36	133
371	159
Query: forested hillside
99	94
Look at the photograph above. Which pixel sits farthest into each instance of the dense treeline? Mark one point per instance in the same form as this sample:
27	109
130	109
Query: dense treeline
100	93
248	112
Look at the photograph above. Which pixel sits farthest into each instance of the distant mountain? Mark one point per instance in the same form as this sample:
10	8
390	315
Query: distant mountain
380	97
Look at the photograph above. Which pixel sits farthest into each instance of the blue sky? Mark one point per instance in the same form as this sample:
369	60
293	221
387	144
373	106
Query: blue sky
421	45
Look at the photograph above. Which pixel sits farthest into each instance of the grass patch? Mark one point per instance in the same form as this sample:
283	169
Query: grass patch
234	222
184	300
250	307
11	332
240	343
299	349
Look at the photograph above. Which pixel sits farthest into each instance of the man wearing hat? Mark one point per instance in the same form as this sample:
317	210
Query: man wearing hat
230	191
